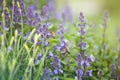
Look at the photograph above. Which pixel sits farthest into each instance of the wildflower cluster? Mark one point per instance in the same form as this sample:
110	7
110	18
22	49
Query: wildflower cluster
35	45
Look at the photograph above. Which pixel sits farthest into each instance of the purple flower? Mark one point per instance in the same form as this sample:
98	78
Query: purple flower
82	18
37	17
86	63
50	55
61	46
16	10
30	13
34	22
48	35
79	73
61	30
46	74
82	45
45	10
79	60
82	32
21	5
56	65
39	56
91	58
46	43
89	73
56	71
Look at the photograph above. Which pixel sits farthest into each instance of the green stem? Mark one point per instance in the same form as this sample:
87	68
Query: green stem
41	66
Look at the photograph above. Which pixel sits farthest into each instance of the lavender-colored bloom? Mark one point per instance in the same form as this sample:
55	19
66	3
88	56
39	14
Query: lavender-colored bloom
38	42
56	71
82	45
16	10
46	43
79	60
48	35
50	55
61	46
45	10
61	30
30	13
86	63
39	56
37	17
91	58
82	18
82	32
79	73
46	74
22	7
56	65
34	22
89	73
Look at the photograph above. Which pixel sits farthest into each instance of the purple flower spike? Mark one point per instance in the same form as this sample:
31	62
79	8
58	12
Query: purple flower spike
56	65
30	13
46	74
82	18
79	60
45	9
22	5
